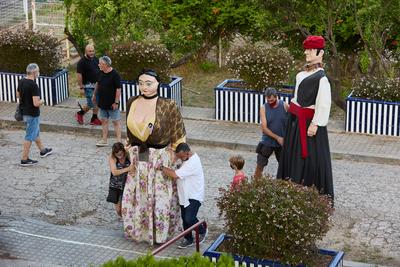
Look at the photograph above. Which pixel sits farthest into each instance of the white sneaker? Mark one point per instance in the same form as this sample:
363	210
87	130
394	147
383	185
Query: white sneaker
202	237
101	143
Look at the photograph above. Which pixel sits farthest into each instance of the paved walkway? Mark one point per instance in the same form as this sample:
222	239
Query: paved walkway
202	129
45	243
76	246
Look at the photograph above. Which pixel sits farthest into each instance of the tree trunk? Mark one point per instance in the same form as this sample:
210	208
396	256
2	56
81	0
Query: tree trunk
203	51
183	60
199	54
73	41
336	84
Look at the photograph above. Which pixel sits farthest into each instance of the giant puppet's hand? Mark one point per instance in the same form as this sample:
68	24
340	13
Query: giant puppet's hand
312	129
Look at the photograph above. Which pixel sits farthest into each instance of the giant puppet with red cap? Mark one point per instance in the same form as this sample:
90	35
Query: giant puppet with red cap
313	49
305	159
314	42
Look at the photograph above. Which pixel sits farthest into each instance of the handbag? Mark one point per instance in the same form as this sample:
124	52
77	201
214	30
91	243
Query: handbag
18	113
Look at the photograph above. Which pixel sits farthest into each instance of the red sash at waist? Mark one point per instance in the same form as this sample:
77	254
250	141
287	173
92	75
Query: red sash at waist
302	115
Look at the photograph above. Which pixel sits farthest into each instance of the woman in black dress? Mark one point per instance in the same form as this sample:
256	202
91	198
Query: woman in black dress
120	165
305	157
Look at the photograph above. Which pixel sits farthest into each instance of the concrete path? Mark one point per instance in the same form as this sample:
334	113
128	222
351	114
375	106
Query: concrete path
203	129
46	225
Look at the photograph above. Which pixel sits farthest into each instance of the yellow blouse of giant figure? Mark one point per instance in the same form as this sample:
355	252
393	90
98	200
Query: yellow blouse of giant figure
153	121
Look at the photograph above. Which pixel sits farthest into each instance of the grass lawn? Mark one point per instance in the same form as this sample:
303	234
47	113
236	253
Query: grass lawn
72	82
198	84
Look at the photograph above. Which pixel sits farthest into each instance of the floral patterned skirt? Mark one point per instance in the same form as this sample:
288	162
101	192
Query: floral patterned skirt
150	207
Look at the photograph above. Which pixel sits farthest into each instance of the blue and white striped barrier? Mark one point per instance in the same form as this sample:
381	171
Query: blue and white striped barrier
372	117
53	89
172	90
213	254
233	104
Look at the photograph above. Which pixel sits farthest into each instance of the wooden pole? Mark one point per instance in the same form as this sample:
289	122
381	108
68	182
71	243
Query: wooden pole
26	11
67	47
220	52
33	15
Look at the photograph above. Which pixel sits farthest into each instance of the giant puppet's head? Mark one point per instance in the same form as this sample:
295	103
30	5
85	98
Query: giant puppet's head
313	49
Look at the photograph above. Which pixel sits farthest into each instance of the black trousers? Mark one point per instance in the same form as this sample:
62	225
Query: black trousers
189	217
316	168
264	152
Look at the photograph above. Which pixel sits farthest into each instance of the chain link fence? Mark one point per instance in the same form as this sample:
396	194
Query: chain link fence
46	16
50	17
12	13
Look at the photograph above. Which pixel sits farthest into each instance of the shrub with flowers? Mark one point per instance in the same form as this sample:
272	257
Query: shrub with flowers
19	48
260	66
275	219
130	58
377	88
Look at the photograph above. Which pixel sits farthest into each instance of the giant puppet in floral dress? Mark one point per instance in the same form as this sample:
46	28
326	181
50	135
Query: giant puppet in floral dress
150	207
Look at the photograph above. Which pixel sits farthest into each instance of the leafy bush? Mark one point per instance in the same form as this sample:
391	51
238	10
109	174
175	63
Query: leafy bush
19	48
260	66
275	219
130	58
365	61
196	260
377	88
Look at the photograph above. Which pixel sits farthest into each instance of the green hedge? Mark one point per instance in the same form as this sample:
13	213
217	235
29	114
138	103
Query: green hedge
196	260
19	48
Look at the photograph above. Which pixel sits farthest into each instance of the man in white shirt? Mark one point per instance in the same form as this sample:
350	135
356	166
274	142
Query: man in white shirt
190	182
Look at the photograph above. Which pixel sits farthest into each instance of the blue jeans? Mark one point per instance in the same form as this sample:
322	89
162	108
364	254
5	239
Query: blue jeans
189	217
89	94
109	114
32	127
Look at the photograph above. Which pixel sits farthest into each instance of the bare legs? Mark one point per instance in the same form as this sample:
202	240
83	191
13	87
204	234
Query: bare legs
27	147
118	208
117	129
258	171
104	125
87	108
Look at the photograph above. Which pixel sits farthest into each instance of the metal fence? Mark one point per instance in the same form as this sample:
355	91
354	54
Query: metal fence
46	16
49	16
12	13
40	14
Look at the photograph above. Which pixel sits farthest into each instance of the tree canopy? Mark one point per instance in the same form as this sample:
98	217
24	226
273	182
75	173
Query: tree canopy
195	26
183	26
361	35
108	22
358	33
